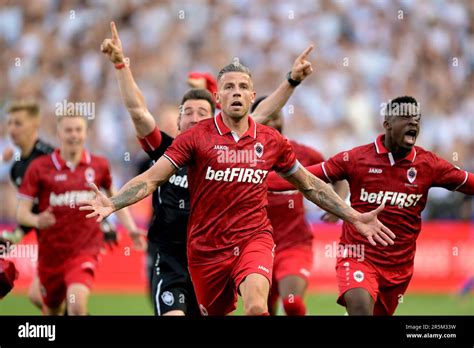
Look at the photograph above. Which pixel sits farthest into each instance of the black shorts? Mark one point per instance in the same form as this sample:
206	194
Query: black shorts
171	286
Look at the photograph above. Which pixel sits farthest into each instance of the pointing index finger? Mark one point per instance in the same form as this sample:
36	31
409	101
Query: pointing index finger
306	52
113	28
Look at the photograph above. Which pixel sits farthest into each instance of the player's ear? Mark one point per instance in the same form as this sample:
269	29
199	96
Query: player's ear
217	97
387	124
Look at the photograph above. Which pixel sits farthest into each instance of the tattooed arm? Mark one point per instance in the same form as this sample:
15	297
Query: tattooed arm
324	196
133	191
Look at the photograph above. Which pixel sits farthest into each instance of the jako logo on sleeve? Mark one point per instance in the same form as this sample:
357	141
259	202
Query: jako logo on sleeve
255	176
400	199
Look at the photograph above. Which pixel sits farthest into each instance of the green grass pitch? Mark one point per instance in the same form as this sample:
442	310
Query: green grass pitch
317	304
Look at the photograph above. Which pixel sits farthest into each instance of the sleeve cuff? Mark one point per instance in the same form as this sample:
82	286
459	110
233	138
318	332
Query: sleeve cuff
292	170
465	180
325	173
172	161
24	197
152	141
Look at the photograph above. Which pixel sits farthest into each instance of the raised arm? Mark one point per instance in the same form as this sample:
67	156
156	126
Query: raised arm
274	102
133	191
321	194
131	95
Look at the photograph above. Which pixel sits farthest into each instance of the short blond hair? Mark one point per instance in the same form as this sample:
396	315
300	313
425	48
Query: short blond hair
32	108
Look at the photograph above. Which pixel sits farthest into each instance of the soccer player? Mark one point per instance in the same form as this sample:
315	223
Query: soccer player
201	80
230	245
293	237
172	288
69	244
395	172
23	121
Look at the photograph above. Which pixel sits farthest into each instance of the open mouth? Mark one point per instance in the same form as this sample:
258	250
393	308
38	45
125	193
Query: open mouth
236	104
410	136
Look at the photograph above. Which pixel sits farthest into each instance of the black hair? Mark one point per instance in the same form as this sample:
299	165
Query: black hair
200	94
402	106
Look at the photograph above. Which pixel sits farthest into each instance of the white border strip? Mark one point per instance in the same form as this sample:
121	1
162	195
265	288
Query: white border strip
24	197
465	179
157	297
325	173
172	162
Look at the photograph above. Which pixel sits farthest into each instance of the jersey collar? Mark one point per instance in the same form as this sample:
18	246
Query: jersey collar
60	163
222	129
381	149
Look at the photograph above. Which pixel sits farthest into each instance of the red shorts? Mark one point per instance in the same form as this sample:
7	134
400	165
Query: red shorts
216	285
385	286
295	261
55	281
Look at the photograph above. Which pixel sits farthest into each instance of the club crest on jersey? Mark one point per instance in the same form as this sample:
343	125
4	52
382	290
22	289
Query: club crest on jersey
167	298
90	175
358	276
411	175
258	150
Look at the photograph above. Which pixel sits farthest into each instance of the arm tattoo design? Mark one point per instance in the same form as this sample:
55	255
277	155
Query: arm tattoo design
130	195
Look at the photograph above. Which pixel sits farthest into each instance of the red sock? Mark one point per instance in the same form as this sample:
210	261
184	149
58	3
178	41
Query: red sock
294	305
265	314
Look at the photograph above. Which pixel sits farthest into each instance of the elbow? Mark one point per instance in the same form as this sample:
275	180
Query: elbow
136	113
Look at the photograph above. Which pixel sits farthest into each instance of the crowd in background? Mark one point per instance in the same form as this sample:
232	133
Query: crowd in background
367	52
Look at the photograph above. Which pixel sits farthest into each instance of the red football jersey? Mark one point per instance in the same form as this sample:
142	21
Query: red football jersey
286	209
227	183
374	177
61	187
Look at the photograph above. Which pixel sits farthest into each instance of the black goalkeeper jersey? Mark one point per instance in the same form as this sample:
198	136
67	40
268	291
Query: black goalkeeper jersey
18	169
169	224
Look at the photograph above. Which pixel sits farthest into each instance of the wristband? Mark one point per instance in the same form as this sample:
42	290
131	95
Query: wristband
292	82
119	66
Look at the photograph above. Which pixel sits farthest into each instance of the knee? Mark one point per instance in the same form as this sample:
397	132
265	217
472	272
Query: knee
359	308
255	303
254	292
255	307
76	308
77	298
359	302
35	298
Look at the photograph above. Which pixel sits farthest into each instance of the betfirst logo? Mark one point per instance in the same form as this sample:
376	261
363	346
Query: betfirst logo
250	175
70	198
401	199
